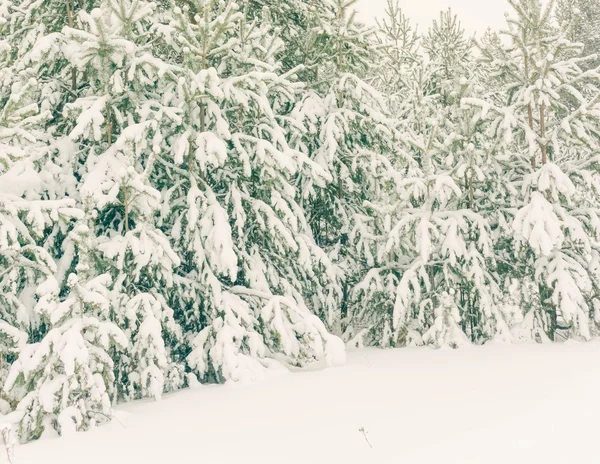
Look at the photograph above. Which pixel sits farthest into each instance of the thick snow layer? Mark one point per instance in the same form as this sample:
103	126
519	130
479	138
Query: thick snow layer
493	404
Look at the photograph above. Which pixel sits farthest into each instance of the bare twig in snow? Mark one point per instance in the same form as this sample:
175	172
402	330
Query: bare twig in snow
8	442
364	432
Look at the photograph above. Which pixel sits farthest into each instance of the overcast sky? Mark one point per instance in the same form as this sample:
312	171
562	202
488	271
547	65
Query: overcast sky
475	15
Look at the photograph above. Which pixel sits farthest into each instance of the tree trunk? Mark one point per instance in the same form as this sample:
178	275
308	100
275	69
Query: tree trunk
543	144
126	205
529	111
108	127
70	14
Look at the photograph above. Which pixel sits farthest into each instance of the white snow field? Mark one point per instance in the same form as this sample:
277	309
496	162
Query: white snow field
493	404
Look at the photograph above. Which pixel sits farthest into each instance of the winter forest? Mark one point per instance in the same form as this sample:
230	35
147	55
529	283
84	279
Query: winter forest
195	191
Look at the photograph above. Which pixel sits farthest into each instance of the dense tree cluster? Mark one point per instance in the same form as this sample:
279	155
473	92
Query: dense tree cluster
196	191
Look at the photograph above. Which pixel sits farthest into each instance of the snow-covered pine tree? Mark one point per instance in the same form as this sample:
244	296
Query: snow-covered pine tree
349	135
581	21
296	23
66	380
450	55
548	230
24	216
433	280
250	270
117	127
105	162
30	82
399	43
468	153
35	66
28	209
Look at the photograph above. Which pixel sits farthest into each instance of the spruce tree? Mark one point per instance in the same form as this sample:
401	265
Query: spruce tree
66	381
101	146
32	216
399	43
296	24
349	136
118	125
250	269
580	19
434	281
544	122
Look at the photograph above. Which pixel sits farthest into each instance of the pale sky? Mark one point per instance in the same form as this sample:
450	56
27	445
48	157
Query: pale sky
475	15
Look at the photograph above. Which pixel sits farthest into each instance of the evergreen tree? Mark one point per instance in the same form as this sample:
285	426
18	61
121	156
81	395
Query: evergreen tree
105	162
580	20
249	265
543	114
118	117
296	24
66	381
399	43
434	280
349	135
28	207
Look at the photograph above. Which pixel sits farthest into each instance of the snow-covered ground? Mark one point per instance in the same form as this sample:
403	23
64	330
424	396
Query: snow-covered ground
494	404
